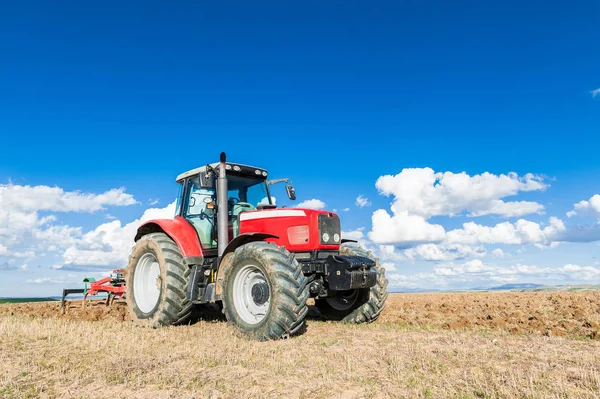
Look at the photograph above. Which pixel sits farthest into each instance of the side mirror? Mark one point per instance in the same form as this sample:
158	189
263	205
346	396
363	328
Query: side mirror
205	180
291	193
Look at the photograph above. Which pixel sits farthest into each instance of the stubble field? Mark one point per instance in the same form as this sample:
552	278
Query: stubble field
457	345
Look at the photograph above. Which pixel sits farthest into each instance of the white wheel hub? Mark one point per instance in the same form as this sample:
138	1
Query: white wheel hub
251	294
147	283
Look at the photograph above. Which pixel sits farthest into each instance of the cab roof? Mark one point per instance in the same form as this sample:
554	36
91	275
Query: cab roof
243	169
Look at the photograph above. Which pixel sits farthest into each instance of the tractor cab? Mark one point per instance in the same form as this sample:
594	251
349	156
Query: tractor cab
247	190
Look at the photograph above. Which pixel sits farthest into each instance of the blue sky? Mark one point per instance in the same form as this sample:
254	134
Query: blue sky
98	97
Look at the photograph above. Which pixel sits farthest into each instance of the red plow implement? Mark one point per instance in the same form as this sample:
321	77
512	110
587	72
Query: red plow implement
113	286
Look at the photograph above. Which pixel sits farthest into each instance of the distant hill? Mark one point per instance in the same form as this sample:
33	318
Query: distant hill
507	287
401	290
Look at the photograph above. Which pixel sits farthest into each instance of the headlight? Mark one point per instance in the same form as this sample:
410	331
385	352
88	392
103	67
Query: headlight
264	173
325	237
237	168
336	237
228	167
257	172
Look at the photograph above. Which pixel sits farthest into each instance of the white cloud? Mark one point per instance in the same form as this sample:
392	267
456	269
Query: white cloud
68	279
311	204
23	229
44	280
389	253
361	201
444	252
520	232
153	201
403	228
389	267
44	198
595	92
420	193
408	234
585	273
586	208
498	253
418	280
477	271
30	230
110	243
450	269
346	209
423	192
353	234
358	235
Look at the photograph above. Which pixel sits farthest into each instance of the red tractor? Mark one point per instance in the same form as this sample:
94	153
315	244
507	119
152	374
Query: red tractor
229	244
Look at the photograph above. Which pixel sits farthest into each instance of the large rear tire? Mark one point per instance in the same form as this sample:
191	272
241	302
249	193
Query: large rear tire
265	292
360	305
157	277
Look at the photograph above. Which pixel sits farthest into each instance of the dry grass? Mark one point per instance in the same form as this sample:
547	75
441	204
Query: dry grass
50	357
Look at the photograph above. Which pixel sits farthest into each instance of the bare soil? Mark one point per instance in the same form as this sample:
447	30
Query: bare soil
95	310
575	314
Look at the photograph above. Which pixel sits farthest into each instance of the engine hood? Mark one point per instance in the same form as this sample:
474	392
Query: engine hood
298	229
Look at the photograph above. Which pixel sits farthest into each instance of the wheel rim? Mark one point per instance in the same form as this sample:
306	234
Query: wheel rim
251	294
343	300
147	283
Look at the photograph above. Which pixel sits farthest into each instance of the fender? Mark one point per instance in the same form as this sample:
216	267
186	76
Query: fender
245	238
179	230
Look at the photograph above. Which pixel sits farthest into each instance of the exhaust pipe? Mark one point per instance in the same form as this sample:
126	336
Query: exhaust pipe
222	208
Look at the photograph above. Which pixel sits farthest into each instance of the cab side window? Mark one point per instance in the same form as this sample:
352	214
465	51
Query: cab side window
199	214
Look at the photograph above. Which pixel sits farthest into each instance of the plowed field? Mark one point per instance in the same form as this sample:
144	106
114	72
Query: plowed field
575	314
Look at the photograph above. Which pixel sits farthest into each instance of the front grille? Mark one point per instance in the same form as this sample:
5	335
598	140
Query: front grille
329	223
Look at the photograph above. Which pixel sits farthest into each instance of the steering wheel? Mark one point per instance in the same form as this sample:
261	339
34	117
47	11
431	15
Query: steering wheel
233	200
246	205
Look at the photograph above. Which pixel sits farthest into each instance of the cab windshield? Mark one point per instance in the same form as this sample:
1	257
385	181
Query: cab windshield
247	190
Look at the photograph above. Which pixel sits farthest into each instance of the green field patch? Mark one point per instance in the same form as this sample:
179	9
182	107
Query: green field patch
25	300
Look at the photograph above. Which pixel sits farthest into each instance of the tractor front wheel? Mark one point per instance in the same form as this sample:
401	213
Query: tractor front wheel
156	283
359	305
265	292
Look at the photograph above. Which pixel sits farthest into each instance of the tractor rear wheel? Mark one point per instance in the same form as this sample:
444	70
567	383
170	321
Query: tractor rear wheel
265	292
359	305
157	277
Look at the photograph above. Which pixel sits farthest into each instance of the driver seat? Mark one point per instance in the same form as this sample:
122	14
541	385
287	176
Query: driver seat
235	215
